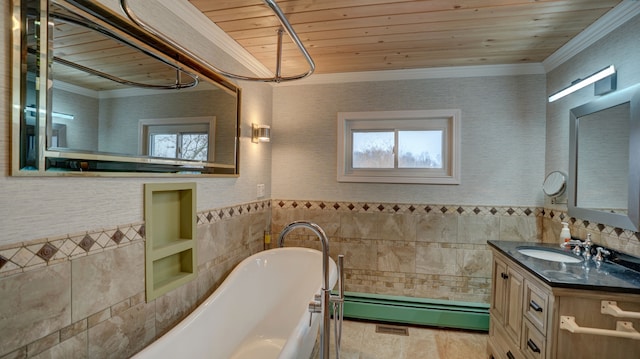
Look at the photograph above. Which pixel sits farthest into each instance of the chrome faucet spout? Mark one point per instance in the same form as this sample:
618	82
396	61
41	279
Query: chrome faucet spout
322	236
320	305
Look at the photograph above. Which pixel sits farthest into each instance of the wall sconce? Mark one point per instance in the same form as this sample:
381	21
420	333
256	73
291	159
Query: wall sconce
260	133
605	80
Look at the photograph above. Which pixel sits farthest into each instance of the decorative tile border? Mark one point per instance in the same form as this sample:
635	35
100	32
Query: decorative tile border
216	215
25	256
406	208
562	216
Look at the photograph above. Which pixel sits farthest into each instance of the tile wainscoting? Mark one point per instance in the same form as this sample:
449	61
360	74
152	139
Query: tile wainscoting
429	250
82	295
433	251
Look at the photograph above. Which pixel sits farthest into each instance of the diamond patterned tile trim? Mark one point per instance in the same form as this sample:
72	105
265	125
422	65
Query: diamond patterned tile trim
47	252
68	246
86	243
117	237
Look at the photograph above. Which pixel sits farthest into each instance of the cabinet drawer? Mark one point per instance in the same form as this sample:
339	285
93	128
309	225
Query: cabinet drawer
535	305
503	344
533	342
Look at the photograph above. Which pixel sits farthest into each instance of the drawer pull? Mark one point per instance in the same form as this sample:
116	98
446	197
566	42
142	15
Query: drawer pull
509	355
623	329
534	348
504	275
535	306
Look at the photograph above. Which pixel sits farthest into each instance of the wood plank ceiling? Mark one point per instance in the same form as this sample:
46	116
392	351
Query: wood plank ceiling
369	35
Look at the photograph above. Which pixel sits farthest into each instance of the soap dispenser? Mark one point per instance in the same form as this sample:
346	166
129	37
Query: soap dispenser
565	234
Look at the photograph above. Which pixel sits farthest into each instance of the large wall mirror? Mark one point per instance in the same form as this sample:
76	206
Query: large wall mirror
604	172
94	94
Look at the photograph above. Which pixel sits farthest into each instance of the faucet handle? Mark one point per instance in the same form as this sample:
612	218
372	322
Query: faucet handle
601	254
577	249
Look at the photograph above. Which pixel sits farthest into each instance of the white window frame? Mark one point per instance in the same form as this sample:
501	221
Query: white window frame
447	120
186	124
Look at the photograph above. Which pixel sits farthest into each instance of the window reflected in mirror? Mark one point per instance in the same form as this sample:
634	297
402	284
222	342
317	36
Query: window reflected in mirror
115	103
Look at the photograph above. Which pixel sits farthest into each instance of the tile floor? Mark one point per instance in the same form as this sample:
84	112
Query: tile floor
360	341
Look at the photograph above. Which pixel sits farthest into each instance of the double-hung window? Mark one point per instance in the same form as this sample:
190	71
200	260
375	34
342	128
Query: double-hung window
399	146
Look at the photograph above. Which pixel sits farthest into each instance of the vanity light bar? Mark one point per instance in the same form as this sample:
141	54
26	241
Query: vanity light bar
63	116
608	71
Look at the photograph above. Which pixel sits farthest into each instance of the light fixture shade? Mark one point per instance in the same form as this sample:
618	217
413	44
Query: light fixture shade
608	71
260	133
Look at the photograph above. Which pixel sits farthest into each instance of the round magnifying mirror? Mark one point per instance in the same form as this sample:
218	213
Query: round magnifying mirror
554	184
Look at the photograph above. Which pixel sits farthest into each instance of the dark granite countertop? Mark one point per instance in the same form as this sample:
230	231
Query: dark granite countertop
589	275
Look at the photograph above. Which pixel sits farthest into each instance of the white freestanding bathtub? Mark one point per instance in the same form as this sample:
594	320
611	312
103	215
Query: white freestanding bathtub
259	312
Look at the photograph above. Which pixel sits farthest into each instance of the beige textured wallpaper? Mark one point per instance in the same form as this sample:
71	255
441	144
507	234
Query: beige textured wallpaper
34	208
503	134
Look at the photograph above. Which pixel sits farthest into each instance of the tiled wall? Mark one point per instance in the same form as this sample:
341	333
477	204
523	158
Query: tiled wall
428	250
417	250
82	295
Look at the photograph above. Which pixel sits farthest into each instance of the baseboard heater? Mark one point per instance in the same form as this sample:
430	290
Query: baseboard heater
417	311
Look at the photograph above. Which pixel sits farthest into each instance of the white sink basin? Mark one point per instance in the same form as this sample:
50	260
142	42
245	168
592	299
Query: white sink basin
550	254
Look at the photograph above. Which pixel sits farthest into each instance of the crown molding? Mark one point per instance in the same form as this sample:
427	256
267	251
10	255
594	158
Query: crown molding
65	86
610	21
216	35
420	74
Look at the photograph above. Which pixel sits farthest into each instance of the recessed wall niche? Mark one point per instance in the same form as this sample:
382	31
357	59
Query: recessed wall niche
170	248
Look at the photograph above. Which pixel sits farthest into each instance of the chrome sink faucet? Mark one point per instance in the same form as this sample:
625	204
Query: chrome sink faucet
579	245
321	302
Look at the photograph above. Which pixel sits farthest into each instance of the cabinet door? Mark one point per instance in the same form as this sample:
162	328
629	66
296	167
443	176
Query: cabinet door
498	294
513	319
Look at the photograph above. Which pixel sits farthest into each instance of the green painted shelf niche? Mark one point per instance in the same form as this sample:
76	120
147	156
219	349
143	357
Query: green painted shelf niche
170	226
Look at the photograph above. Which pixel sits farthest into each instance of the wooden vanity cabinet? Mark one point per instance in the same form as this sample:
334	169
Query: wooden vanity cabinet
525	318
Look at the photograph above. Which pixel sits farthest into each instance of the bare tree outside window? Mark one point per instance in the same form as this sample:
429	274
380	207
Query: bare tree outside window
416	149
373	149
194	147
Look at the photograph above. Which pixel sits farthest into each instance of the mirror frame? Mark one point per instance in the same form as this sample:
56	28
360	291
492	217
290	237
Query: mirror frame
631	220
123	165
